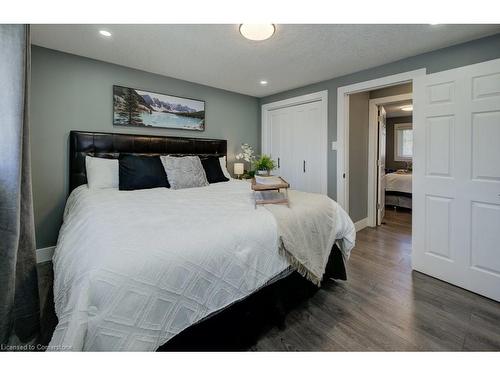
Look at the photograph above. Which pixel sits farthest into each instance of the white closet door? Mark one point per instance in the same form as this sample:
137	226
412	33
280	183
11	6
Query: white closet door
456	179
282	136
296	142
275	137
308	154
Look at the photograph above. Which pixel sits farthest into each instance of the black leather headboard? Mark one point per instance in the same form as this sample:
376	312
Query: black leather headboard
111	145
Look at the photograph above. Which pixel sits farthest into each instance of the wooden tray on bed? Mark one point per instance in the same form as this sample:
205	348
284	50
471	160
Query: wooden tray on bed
272	199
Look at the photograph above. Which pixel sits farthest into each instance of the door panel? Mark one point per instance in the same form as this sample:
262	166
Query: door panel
439	132
485	134
456	183
281	142
382	130
308	157
482	177
275	135
437	231
485	237
295	139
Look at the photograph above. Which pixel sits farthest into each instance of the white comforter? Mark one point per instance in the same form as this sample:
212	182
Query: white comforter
133	269
398	182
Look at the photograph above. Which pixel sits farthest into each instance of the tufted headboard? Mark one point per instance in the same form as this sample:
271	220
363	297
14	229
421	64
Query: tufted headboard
111	145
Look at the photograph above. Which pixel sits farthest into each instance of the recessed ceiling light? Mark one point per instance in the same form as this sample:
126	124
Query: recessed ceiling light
105	33
263	82
407	108
257	31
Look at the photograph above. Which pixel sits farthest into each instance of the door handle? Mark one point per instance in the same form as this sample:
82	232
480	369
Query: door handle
278	162
304	166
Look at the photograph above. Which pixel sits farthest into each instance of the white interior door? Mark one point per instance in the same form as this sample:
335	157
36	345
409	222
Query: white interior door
282	133
307	152
456	178
296	144
276	120
381	165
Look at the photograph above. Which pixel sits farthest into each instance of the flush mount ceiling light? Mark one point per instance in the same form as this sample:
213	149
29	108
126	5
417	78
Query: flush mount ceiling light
255	31
407	108
263	82
105	33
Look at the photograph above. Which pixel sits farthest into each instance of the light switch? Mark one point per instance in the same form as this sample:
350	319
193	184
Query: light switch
334	145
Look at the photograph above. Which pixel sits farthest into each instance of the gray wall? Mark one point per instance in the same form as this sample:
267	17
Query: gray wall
358	155
389	155
405	88
69	92
447	58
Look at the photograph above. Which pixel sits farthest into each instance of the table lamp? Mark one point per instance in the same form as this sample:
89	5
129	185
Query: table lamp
238	169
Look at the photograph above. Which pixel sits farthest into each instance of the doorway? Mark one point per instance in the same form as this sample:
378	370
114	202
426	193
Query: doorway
372	115
456	214
390	154
341	145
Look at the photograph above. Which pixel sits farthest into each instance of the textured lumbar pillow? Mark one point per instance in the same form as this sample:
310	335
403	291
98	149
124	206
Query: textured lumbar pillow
184	172
101	173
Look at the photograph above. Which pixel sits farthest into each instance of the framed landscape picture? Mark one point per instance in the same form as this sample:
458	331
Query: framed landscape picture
133	107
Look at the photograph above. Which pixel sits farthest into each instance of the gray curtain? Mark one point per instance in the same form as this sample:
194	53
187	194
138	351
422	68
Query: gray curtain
19	303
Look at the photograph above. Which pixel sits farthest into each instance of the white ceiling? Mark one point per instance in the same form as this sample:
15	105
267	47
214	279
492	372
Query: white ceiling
218	56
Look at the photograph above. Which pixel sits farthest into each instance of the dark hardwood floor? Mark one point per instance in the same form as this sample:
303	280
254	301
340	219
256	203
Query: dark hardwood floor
385	306
382	306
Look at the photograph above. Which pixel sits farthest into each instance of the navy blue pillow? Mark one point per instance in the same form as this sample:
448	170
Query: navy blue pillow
141	172
214	173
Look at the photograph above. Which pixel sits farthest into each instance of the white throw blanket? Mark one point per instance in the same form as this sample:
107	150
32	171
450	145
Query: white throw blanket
307	232
134	268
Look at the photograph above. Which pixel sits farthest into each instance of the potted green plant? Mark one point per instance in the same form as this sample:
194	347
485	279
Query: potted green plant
264	165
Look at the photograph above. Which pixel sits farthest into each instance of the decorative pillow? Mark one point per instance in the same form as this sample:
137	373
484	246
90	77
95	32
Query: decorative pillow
101	173
184	172
141	172
213	170
223	166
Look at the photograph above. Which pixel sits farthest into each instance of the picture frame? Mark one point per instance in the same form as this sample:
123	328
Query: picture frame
141	108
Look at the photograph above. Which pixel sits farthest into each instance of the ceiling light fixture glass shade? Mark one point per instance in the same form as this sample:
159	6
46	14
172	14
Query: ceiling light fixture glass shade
255	31
105	33
407	108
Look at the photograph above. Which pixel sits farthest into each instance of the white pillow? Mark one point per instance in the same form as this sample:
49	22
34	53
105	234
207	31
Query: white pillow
222	161
102	173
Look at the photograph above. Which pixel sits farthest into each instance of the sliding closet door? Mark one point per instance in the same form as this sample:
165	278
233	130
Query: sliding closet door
296	144
456	183
282	141
307	151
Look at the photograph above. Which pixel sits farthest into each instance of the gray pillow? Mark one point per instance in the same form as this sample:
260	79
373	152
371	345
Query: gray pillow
184	172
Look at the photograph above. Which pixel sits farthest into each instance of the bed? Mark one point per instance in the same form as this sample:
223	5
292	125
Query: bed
134	269
398	189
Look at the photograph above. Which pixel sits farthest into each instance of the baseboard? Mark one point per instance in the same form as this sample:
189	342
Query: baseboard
361	224
45	254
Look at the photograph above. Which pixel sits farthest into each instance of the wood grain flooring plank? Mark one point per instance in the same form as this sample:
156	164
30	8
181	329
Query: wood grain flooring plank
384	305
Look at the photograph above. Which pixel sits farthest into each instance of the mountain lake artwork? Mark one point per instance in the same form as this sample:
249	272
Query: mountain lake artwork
132	107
